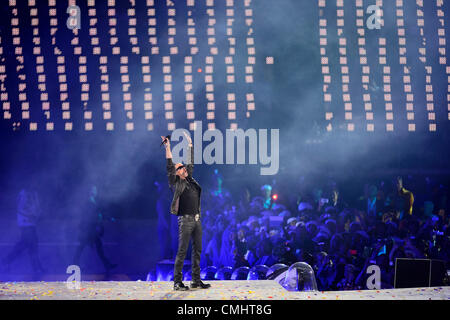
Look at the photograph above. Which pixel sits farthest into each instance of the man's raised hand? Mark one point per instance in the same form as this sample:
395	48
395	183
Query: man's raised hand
165	141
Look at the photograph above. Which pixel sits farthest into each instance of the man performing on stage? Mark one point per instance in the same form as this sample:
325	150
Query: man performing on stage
186	205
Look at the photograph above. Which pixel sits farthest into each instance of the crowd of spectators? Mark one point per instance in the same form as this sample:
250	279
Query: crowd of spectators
338	237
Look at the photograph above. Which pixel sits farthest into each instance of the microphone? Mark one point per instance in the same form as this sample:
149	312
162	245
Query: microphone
165	140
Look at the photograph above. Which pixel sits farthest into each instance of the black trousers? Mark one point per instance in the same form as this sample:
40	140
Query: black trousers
188	229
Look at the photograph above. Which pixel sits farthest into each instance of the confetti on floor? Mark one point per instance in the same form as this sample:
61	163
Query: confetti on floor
220	290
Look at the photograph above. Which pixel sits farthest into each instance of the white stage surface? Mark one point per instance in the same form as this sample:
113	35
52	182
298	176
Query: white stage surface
220	290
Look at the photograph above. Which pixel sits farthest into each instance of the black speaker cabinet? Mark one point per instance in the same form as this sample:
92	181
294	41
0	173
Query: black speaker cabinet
415	273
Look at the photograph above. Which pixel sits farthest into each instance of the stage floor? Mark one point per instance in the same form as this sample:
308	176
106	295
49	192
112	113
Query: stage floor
220	290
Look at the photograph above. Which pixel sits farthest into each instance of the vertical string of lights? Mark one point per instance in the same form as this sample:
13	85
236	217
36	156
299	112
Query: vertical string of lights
168	105
323	42
82	74
167	69
440	14
104	73
365	68
251	56
147	79
406	78
146	68
188	83
126	95
20	68
40	67
231	99
85	87
346	96
105	94
211	32
132	22
60	68
428	69
382	60
6	105
124	69
153	40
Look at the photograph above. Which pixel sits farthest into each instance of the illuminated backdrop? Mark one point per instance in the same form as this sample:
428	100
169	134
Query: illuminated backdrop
162	64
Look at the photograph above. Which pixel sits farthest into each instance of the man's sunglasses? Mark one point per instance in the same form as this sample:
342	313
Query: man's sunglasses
180	167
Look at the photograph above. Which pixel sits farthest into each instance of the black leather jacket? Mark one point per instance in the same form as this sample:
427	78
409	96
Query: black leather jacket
177	185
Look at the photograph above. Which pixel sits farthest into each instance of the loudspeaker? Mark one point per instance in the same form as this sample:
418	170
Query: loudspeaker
416	273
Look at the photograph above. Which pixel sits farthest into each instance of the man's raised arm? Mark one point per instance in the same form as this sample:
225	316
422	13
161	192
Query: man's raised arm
169	165
190	165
